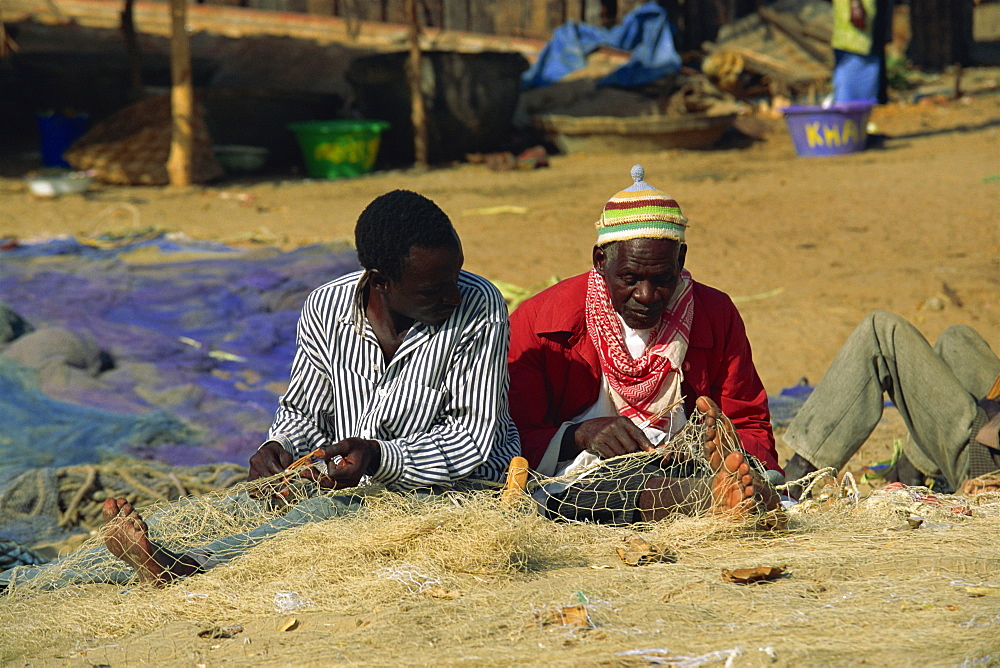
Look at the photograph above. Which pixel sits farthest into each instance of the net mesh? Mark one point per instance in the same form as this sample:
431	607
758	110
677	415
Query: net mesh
177	535
48	504
478	564
675	479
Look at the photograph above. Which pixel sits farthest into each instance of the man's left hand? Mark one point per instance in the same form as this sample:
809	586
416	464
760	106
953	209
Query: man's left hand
610	437
357	455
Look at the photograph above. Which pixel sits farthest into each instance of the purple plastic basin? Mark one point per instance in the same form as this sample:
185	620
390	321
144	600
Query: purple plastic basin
834	130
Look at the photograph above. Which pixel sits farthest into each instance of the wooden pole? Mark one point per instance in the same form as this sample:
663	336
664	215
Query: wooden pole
418	116
7	45
132	48
179	164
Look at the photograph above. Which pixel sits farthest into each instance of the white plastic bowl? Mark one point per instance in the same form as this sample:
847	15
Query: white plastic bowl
238	158
53	185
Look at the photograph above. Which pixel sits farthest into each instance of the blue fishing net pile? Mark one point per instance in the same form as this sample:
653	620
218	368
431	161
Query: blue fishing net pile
194	342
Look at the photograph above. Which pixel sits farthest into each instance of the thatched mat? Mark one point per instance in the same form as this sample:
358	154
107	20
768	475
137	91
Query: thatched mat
461	580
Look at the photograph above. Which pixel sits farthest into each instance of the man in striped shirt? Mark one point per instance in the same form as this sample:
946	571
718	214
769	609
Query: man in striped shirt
400	369
399	376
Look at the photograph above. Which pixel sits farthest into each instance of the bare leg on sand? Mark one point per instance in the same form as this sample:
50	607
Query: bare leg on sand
736	488
127	537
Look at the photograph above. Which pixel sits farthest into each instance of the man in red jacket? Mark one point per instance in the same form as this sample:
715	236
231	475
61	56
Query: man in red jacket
615	360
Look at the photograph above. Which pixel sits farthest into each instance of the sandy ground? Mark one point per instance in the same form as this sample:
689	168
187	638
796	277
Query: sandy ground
806	246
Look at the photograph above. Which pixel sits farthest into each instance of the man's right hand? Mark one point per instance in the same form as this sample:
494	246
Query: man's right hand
610	437
270	459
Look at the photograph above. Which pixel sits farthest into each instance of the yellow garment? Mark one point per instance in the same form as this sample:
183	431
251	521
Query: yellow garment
845	36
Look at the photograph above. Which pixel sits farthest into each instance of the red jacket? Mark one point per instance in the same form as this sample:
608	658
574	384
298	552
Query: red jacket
555	373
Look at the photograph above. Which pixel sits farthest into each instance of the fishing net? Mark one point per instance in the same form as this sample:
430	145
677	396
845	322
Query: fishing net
194	534
198	335
673	480
472	566
47	504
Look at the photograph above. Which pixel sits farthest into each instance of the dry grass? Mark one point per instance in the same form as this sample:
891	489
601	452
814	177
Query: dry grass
449	579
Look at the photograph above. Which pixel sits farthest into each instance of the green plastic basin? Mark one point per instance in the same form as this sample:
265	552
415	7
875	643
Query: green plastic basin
340	148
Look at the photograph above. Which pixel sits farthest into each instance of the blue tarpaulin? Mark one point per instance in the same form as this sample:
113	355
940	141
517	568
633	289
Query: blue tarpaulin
645	32
39	431
198	338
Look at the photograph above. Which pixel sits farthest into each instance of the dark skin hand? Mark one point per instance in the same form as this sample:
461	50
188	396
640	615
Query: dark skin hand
357	455
270	459
605	437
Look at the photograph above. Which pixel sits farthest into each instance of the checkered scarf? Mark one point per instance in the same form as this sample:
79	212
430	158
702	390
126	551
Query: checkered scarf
641	387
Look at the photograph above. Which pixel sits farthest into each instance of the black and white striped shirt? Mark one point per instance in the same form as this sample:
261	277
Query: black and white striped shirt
438	408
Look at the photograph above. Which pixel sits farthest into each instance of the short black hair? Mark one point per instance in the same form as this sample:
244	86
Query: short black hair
396	222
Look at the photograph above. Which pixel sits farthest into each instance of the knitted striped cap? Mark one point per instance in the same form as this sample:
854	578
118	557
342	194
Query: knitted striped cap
640	212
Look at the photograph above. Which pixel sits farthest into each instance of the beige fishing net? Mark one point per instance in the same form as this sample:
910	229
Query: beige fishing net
673	480
385	578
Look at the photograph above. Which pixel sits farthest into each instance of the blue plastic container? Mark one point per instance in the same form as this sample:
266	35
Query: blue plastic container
57	133
834	130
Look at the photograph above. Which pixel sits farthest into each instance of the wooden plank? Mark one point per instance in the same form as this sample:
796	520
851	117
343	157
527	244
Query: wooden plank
766	65
431	13
359	10
132	48
792	27
395	11
534	19
456	15
153	18
512	18
321	7
772	52
482	17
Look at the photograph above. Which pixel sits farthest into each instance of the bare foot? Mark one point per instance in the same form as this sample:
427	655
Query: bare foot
737	488
127	537
733	488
